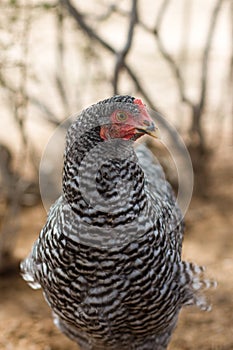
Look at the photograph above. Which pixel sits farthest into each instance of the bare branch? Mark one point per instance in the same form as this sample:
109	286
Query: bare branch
104	16
185	35
139	86
121	56
79	18
205	59
176	71
161	14
45	5
46	111
199	107
60	71
147	99
231	59
168	58
93	35
21	103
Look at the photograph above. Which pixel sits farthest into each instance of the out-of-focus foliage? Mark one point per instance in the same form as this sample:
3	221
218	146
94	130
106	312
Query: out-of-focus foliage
57	57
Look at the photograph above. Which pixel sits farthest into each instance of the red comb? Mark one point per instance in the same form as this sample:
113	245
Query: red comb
138	101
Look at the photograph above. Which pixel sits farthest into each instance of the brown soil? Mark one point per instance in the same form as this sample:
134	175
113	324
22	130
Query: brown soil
25	319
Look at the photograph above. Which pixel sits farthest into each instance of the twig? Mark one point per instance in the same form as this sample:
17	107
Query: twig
168	58
88	30
46	111
103	17
21	103
176	71
60	74
231	60
186	20
206	53
198	109
79	18
121	55
45	5
74	12
161	14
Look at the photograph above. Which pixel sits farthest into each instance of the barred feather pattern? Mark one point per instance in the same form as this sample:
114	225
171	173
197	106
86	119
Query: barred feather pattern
113	274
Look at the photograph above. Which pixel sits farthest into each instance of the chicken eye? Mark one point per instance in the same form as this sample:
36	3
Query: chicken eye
121	116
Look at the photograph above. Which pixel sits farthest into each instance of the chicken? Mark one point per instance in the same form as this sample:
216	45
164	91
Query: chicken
109	256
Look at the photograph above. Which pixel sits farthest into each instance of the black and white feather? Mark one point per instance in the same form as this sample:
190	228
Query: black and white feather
109	256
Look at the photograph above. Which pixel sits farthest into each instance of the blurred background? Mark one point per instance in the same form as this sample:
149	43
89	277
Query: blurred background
58	57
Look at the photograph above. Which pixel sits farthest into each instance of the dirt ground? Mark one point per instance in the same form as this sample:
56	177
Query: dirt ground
25	319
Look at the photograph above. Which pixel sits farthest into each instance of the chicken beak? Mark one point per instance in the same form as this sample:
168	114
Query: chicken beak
150	130
146	124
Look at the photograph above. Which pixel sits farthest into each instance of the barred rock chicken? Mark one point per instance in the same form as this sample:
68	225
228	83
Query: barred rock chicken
109	256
